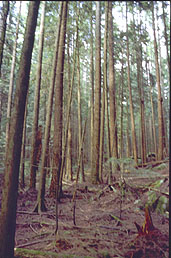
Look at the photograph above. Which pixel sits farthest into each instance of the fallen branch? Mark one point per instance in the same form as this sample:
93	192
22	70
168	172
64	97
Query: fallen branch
33	243
153	163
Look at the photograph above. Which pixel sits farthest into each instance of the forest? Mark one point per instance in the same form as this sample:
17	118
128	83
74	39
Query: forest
84	129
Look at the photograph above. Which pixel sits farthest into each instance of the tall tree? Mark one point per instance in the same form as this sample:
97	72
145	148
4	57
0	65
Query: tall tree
103	96
58	112
11	83
40	205
112	90
160	100
12	163
134	143
34	148
97	96
3	23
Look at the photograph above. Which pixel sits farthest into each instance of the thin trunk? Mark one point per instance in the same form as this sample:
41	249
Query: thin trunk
134	143
97	95
11	83
22	162
92	87
160	100
55	188
112	92
40	206
152	114
12	163
103	96
33	161
3	23
166	40
121	118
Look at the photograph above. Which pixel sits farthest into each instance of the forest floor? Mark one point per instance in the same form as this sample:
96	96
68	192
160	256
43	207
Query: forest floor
104	218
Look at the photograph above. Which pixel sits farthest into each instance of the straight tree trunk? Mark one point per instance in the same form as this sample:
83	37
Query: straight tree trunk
134	142
97	105
92	85
33	160
3	23
112	91
58	112
40	205
166	39
11	84
12	163
160	99
103	96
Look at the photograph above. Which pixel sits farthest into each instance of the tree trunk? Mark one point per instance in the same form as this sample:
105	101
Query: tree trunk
12	163
55	188
11	84
33	161
40	205
97	105
134	143
166	40
160	100
92	86
3	23
103	96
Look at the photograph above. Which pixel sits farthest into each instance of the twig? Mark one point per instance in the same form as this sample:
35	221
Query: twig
34	230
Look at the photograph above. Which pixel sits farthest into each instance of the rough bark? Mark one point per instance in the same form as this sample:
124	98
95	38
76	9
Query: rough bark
12	163
11	83
33	159
58	112
112	91
134	143
160	100
3	23
40	205
97	105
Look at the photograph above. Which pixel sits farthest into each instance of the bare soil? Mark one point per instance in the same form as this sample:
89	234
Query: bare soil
104	218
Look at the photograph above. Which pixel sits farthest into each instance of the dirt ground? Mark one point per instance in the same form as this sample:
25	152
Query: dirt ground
104	218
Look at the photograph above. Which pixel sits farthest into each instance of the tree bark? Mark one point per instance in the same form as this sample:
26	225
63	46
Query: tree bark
160	100
11	83
134	142
58	112
97	105
33	160
12	163
40	205
3	23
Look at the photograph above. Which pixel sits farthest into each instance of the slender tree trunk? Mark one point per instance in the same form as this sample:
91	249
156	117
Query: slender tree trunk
97	105
22	162
92	86
10	92
12	163
112	91
121	118
160	100
40	205
82	177
166	39
153	115
33	161
134	143
58	113
3	23
103	96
